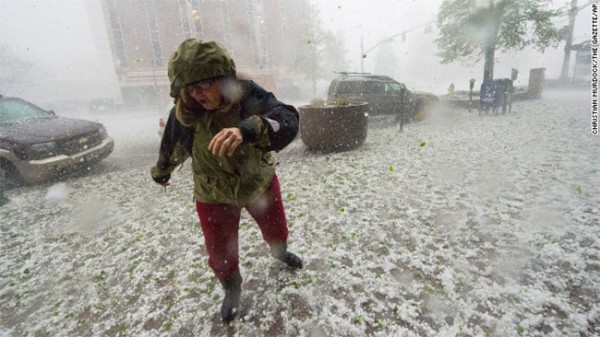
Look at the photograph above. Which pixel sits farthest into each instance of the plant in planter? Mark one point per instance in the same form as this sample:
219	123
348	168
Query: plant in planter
338	126
343	101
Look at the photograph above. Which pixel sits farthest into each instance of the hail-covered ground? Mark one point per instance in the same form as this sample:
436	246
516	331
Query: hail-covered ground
461	225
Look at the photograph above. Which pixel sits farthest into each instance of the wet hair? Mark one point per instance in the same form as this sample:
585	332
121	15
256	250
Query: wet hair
185	107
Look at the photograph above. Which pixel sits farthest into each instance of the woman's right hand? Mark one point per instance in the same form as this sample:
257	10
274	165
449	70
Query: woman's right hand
226	142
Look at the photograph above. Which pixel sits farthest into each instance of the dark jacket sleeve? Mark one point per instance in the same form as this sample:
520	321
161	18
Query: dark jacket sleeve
175	148
263	113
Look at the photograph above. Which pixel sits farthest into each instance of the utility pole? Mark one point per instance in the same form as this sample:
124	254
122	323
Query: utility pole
362	56
363	53
564	73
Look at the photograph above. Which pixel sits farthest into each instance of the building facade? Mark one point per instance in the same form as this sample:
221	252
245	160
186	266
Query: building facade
260	35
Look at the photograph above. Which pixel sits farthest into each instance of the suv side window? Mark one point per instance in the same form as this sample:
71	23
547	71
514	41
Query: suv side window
374	87
349	87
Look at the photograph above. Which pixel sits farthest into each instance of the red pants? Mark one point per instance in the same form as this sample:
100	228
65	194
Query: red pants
220	225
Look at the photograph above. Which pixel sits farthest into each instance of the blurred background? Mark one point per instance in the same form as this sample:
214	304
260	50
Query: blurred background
107	53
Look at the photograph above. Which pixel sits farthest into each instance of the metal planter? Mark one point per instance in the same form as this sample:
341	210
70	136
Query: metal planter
333	128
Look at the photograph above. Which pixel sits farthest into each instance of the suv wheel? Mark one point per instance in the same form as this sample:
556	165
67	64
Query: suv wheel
9	176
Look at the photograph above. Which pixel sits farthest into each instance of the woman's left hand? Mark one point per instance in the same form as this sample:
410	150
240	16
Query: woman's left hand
226	142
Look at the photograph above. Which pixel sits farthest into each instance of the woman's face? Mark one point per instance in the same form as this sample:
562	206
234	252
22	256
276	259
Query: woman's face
207	93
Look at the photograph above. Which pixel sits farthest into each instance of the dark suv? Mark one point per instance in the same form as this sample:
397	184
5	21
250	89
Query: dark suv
36	145
385	95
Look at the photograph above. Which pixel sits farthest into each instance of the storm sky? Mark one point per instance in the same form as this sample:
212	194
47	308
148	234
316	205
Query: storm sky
418	65
68	45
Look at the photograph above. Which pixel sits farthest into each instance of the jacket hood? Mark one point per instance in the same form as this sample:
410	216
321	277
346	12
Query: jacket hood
196	60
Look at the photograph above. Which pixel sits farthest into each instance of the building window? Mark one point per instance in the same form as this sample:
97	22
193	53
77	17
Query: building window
150	12
197	19
185	23
116	32
251	7
227	35
264	50
283	13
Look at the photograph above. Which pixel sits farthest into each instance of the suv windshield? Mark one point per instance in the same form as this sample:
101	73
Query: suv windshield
16	110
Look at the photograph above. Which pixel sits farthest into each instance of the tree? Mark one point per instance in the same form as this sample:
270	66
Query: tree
318	52
470	30
333	56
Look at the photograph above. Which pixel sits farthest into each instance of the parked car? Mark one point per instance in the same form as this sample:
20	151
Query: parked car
36	145
385	95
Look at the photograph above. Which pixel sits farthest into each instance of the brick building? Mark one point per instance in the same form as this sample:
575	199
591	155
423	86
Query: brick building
260	34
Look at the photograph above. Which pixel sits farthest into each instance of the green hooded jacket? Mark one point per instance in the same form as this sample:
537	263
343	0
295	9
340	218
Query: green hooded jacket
266	124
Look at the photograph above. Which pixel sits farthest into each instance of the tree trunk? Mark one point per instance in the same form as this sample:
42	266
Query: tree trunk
494	17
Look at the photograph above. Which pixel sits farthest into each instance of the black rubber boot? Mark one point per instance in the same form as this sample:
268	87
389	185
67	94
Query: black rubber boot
280	252
231	303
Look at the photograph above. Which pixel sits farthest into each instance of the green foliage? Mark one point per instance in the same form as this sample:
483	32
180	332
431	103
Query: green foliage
340	101
100	276
343	101
317	103
469	30
167	326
